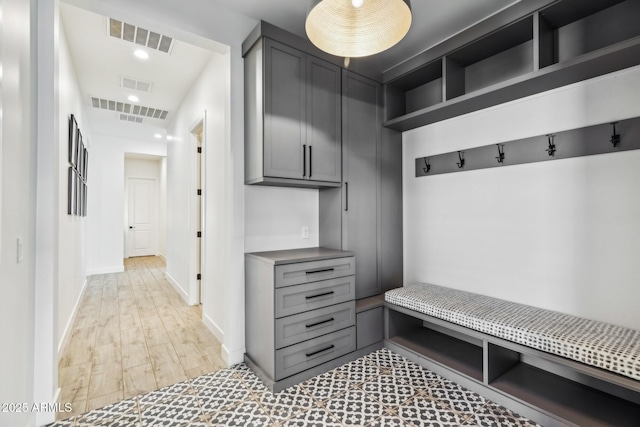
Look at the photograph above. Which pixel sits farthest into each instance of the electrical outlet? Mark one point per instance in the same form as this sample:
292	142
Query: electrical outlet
305	232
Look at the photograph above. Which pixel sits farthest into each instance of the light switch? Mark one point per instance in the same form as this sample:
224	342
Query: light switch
305	232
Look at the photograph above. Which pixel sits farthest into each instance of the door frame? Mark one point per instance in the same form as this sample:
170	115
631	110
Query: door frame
155	227
195	290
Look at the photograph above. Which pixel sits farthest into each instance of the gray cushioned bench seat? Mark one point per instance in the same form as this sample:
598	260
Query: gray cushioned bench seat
594	343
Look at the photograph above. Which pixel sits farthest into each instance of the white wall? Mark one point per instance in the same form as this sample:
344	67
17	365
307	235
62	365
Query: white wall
562	234
105	216
72	239
137	167
17	207
209	93
274	218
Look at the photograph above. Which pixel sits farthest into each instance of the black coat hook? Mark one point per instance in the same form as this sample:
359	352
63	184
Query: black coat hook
615	138
427	166
461	157
552	145
500	157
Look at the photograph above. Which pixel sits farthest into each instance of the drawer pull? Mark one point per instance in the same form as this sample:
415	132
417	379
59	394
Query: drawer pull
320	351
319	295
324	270
319	323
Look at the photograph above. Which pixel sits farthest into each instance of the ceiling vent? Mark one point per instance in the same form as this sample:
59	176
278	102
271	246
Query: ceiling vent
130	118
140	36
135	84
127	108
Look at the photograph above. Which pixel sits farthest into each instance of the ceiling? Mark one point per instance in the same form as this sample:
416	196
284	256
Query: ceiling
100	60
433	21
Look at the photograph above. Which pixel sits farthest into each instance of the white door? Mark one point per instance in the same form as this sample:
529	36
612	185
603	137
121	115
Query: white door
141	239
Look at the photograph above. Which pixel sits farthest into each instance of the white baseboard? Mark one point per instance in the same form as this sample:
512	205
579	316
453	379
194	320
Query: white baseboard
177	287
163	257
232	357
105	270
211	325
62	345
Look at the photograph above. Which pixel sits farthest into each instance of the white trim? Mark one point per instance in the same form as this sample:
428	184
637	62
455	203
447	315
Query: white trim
164	258
195	286
215	329
232	357
62	345
177	287
105	270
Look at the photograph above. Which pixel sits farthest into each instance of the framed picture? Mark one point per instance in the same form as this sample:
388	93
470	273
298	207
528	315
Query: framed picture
78	194
85	165
73	139
81	150
84	199
71	192
78	149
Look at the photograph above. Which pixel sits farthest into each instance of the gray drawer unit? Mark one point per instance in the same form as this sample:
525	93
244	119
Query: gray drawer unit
309	296
311	324
300	313
305	355
306	272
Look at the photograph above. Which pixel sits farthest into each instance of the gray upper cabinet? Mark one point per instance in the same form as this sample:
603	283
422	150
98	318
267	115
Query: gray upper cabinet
284	111
323	120
292	118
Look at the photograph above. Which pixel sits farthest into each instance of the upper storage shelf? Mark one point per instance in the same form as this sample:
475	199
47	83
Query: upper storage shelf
563	43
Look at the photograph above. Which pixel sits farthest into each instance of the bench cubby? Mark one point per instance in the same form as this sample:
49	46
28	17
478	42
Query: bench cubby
548	389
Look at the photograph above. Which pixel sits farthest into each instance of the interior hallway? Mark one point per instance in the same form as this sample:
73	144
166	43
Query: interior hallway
133	333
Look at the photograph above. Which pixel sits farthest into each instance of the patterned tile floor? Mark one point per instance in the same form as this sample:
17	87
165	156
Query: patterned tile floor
380	389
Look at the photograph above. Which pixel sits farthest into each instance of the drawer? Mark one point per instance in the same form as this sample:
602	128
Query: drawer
313	271
300	357
311	324
310	296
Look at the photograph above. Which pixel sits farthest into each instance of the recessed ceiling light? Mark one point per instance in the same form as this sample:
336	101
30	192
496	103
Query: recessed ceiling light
142	54
133	98
169	138
157	135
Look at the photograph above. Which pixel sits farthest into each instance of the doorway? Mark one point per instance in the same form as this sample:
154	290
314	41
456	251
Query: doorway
142	233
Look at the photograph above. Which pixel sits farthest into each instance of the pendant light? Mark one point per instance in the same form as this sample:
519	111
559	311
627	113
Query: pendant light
355	28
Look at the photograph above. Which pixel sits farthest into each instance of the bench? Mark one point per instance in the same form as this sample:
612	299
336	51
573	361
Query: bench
554	368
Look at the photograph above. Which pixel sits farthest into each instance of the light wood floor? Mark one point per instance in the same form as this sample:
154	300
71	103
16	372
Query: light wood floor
133	334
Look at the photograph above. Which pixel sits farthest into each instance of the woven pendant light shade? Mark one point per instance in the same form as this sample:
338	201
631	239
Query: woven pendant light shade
355	28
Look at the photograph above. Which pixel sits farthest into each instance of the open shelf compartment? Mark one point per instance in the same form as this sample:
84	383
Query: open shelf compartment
572	28
421	88
559	390
448	348
502	55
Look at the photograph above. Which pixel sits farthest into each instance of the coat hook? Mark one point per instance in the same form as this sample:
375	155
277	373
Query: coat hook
500	157
427	166
615	138
552	145
461	157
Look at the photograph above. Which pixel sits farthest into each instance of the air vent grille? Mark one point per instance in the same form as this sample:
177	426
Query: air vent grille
135	84
141	36
125	107
130	118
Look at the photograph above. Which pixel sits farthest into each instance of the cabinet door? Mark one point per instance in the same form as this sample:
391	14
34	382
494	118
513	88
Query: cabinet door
284	111
360	130
323	121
